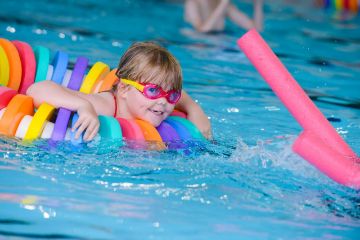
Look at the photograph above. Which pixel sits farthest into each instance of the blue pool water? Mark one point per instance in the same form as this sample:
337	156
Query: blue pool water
247	184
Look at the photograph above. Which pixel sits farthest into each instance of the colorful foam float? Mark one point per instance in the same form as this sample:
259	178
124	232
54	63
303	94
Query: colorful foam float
341	5
21	66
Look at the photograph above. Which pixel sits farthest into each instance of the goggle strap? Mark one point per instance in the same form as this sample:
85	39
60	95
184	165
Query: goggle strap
137	85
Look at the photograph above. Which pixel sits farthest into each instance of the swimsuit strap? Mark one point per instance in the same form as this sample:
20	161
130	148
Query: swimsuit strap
115	105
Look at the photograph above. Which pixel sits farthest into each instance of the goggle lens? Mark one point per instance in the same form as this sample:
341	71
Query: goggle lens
173	96
152	92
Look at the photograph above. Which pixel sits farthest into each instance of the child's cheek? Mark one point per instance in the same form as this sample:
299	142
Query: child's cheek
170	108
139	99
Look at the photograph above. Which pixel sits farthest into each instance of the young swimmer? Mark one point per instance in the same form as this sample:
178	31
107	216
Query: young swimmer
149	88
210	15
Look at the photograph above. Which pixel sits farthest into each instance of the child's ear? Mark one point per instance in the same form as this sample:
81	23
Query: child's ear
122	90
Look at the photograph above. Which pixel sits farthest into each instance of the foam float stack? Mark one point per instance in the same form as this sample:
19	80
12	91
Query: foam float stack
21	66
341	5
319	143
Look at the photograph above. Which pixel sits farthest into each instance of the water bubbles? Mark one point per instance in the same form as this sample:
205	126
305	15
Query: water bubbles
116	44
224	197
272	108
156	224
232	110
61	35
186	198
40	31
47	212
29	207
10	29
74	38
342	131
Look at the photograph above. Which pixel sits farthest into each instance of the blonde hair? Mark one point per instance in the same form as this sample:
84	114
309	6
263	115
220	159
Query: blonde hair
148	62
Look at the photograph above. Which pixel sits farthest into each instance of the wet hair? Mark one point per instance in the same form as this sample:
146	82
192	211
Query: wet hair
147	62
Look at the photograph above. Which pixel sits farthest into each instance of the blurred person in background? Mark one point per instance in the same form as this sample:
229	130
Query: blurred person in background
209	15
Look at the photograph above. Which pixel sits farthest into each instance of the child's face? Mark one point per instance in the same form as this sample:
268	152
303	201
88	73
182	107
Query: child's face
153	111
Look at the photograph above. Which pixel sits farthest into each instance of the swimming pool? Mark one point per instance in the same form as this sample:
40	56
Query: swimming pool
246	184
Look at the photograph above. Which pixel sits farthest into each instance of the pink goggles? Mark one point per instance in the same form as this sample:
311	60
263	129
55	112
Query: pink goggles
153	91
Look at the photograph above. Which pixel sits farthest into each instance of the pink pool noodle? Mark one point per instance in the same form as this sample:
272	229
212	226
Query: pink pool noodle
340	168
289	91
320	144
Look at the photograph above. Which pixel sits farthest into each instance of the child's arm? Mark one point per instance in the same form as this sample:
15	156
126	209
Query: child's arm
192	11
87	106
195	114
242	20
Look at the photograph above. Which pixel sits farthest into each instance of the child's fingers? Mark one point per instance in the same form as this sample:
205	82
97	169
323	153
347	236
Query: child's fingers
207	134
80	129
87	133
77	124
93	133
89	130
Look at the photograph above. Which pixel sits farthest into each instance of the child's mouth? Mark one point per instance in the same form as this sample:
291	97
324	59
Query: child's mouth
156	112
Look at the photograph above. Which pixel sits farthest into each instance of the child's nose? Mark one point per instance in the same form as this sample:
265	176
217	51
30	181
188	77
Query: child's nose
162	101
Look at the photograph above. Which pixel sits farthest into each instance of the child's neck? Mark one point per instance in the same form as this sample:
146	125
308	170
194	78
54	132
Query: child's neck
121	109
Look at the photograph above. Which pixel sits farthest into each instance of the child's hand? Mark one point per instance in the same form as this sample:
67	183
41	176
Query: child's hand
88	120
197	116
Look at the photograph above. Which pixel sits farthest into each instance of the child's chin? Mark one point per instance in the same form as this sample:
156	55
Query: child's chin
154	122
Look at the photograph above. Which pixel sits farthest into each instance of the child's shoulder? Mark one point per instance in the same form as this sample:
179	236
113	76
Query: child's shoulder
104	102
106	96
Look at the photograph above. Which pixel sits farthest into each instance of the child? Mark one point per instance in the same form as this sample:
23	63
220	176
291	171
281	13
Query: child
149	88
209	15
